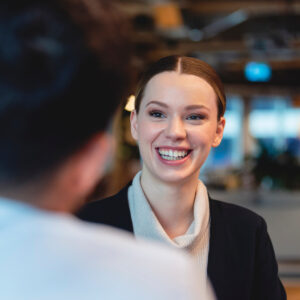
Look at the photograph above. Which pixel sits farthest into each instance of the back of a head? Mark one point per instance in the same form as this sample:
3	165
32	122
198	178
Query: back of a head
63	70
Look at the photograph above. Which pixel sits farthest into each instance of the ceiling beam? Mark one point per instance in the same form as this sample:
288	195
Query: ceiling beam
218	7
252	7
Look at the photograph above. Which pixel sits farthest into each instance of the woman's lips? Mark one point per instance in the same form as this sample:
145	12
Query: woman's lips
173	155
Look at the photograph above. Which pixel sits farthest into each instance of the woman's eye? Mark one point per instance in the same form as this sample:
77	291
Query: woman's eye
156	114
196	117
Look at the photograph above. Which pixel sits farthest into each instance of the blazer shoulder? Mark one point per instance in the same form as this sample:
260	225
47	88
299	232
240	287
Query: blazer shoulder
113	210
241	251
235	215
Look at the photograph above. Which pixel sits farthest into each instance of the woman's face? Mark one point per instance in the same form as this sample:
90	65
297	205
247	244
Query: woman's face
176	126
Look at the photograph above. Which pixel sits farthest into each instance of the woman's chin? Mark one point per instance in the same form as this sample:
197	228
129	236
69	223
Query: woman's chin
174	177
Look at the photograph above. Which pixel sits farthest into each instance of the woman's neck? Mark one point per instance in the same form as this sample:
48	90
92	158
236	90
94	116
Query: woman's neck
172	203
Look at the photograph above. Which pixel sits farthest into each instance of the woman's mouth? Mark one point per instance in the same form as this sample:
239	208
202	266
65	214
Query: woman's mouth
172	154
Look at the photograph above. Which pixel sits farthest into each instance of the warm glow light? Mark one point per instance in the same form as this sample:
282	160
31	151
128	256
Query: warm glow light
167	15
130	103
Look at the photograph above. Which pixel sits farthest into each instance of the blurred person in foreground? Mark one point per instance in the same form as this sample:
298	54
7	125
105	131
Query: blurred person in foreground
178	117
62	73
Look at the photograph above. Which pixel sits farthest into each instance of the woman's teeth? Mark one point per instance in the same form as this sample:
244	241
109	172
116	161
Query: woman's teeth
172	154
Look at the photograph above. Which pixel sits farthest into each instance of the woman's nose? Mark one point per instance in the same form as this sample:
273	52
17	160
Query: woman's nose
175	129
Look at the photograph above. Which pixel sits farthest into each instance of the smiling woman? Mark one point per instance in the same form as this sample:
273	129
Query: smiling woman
176	126
178	118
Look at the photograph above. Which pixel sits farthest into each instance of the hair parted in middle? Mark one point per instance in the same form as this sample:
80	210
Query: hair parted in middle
183	65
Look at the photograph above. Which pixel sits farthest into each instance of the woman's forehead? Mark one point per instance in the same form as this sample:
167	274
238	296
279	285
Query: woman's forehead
174	78
173	84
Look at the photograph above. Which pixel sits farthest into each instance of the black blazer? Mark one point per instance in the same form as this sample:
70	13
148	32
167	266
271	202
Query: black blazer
241	260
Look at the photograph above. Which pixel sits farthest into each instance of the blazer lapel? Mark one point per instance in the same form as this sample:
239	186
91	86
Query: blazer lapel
123	217
221	266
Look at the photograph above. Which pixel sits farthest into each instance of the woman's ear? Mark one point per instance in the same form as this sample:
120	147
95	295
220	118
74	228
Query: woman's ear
219	132
134	124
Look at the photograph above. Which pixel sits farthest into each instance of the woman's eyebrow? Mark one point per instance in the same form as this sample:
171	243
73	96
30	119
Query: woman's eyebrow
157	103
189	107
196	106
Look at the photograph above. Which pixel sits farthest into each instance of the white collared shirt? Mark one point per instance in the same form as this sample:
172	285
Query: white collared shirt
46	256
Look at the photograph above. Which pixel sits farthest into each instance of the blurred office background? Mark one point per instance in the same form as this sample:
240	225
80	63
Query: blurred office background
255	48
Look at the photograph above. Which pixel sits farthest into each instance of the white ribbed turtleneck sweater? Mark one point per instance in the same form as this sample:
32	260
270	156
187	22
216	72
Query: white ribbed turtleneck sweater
195	240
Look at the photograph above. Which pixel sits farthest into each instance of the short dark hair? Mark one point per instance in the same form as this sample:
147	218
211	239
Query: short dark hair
63	71
184	65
